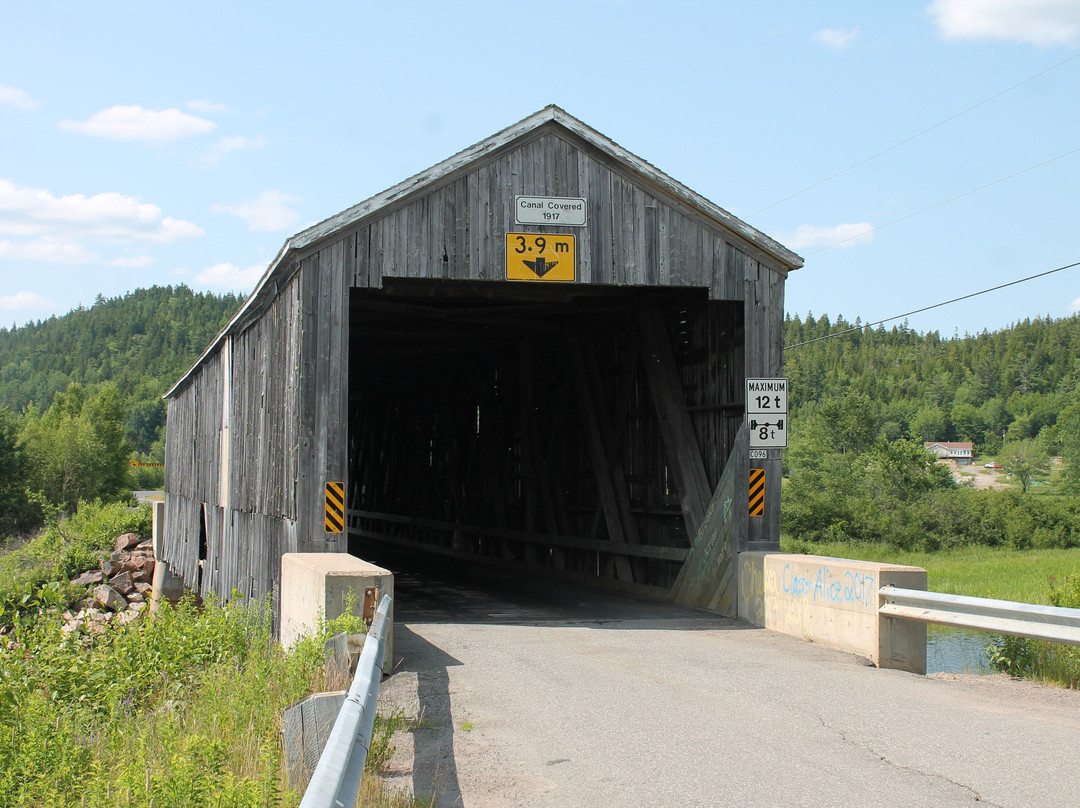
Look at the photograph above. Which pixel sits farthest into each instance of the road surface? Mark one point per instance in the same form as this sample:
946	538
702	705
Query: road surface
536	694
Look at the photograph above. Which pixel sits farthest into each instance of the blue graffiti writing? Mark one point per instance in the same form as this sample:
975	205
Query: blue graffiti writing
795	584
849	587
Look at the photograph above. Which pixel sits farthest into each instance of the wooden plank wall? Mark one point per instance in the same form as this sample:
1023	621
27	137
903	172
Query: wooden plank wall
248	526
512	424
764	310
265	405
456	231
192	469
323	387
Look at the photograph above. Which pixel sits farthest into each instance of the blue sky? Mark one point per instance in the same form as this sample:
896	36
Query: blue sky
165	143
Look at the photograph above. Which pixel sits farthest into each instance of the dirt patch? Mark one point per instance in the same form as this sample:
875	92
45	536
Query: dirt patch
982	478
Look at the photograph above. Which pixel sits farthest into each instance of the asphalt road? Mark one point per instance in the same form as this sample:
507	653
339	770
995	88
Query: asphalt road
535	694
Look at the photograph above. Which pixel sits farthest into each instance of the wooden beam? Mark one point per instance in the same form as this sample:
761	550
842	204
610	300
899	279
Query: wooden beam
595	442
495	561
613	435
680	439
708	577
542	539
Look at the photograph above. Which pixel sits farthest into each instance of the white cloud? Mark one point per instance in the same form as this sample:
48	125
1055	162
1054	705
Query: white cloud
132	261
34	212
266	213
137	123
1039	22
230	276
841	235
1075	307
226	145
48	250
21	301
206	107
836	38
17	98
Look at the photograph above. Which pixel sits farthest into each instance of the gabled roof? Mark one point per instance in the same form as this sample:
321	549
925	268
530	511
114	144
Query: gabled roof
549	117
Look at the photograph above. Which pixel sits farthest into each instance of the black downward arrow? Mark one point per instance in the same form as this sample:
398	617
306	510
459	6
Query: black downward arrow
541	267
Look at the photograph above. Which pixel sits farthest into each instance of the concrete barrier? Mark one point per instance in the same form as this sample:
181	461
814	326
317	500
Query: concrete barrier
833	601
316	586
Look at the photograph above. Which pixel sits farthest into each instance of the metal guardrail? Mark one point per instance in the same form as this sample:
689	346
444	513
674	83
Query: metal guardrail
1050	623
336	779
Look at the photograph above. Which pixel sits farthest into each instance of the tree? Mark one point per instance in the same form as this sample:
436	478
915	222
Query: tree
145	423
1025	460
18	510
1069	437
966	422
76	448
928	424
850	422
905	470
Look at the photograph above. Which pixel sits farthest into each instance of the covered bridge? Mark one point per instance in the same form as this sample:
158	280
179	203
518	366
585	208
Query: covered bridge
531	355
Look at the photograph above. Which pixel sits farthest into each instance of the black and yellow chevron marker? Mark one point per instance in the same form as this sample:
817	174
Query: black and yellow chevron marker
757	492
335	507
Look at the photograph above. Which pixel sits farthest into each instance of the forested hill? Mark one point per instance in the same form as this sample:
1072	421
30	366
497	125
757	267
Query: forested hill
1021	381
143	342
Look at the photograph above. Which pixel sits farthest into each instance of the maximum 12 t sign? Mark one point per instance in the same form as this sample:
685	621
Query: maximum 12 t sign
767	413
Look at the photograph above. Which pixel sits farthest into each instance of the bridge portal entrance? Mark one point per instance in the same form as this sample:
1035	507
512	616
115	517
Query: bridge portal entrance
531	356
547	430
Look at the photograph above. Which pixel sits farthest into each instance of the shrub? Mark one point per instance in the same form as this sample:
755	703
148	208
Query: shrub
1035	659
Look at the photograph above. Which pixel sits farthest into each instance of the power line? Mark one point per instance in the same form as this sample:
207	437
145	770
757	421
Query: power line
916	135
943	202
935	306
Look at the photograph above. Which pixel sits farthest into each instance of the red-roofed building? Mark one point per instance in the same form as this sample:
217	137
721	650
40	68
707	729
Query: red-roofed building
959	451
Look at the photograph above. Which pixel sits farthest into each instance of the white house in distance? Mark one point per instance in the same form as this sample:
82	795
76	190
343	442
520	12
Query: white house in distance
958	451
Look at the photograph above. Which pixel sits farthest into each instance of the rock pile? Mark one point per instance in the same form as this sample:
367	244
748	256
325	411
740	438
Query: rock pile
121	587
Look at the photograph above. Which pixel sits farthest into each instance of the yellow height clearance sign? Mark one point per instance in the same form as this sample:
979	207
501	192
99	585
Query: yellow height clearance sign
541	257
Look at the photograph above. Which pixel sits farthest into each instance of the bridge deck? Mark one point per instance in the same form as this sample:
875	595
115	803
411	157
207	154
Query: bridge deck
548	695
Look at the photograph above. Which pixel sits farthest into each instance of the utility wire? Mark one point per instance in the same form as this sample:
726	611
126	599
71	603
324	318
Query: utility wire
916	135
943	202
935	306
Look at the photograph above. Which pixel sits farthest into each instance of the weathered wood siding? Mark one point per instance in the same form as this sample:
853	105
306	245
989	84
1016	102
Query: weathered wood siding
764	308
192	458
233	455
324	388
635	235
606	434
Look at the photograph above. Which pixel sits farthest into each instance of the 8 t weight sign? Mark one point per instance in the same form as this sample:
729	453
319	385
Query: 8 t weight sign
767	412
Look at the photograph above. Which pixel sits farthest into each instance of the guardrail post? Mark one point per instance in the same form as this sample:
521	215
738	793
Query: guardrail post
336	779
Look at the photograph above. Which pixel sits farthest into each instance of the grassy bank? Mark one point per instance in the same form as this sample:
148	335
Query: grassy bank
181	709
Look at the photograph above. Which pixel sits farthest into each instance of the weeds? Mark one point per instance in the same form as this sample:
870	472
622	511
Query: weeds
177	711
1035	659
35	576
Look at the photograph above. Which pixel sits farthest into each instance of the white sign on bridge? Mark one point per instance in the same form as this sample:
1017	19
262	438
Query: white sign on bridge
560	210
767	412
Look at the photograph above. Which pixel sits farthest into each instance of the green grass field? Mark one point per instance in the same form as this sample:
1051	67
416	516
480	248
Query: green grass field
983	572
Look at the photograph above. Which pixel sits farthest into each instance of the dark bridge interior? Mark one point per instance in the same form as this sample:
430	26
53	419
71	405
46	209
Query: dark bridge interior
538	427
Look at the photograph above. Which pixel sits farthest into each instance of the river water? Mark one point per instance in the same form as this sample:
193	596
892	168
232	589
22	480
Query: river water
956	650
